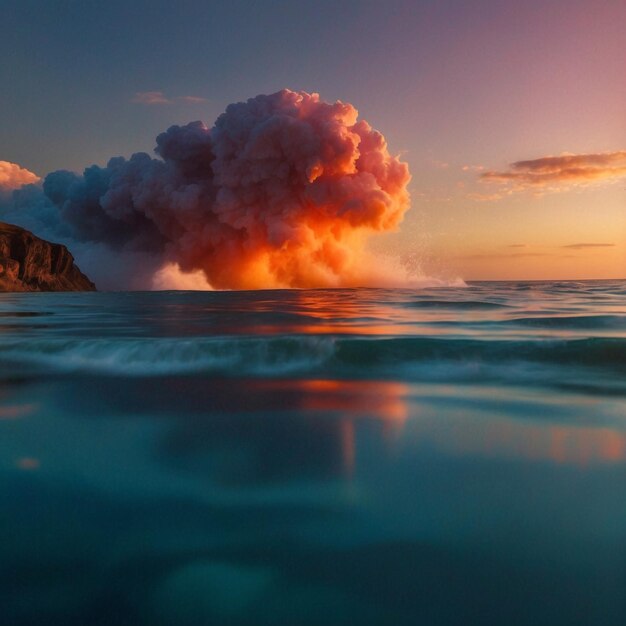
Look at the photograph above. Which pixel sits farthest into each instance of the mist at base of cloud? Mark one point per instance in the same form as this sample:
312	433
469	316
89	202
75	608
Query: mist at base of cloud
111	270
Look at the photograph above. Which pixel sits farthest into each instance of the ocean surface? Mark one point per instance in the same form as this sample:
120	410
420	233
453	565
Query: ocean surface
435	457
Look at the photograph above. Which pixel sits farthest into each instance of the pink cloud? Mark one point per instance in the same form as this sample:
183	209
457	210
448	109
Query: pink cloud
12	176
192	99
158	97
282	191
559	173
150	97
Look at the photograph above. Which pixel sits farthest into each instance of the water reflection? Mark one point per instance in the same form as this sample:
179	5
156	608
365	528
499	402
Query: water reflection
16	411
275	430
400	475
28	463
533	442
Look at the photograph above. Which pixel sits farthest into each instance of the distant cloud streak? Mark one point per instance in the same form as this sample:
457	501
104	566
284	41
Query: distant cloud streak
585	246
192	99
150	97
492	256
515	255
559	173
158	97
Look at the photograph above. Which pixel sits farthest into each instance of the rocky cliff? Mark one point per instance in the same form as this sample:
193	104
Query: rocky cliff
28	263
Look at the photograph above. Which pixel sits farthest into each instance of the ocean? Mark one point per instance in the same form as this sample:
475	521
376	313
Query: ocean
443	456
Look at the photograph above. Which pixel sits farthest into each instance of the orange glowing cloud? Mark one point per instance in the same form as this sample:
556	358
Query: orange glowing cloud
282	191
559	173
12	176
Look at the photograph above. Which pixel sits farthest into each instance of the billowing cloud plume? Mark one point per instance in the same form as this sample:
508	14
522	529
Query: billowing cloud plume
12	176
281	192
558	173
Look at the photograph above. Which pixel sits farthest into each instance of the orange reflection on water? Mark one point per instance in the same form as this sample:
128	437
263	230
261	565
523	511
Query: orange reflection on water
16	411
348	328
384	400
28	463
536	442
348	446
582	446
355	399
349	312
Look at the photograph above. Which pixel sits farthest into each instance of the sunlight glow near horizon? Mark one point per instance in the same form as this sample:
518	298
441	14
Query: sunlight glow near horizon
459	89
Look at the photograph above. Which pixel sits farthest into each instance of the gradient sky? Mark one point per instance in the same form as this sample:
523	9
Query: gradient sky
461	89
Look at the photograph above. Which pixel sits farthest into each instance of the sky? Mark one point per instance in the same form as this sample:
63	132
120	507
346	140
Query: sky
509	114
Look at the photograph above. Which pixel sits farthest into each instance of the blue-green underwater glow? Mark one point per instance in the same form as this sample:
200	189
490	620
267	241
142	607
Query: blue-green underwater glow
447	456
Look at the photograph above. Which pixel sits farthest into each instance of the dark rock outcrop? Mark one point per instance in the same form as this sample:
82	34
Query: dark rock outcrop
28	263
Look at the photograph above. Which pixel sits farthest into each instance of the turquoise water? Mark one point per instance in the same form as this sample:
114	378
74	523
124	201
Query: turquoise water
436	457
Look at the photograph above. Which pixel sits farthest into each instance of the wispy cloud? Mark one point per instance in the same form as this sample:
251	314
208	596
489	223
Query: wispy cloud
559	173
192	99
158	97
585	246
150	97
503	255
491	256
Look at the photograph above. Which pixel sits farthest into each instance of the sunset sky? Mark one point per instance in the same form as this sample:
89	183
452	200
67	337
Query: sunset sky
511	115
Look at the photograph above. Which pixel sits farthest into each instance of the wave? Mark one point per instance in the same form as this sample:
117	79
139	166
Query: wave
454	304
301	355
154	357
572	321
598	352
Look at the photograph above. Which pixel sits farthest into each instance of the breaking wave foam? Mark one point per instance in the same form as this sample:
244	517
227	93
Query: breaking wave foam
298	354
